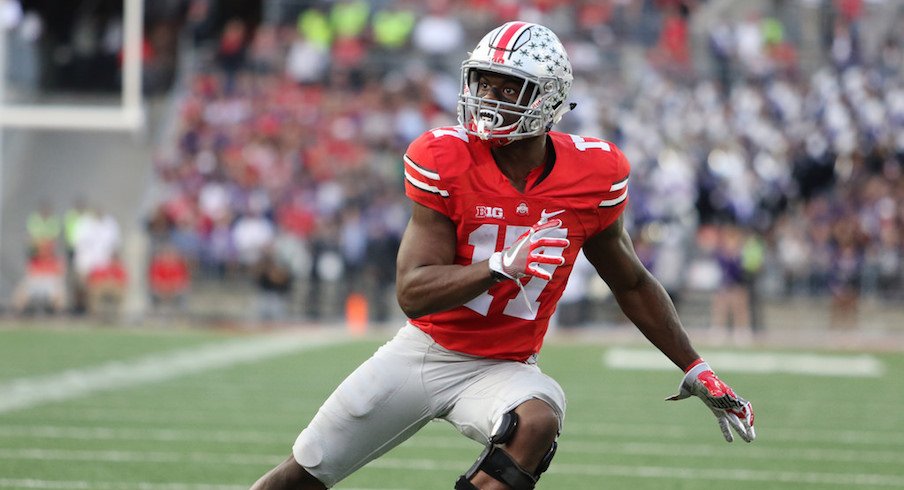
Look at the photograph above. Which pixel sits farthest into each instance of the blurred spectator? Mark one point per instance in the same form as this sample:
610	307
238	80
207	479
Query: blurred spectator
169	279
392	27
353	242
43	226
573	309
106	285
71	221
44	287
792	247
721	44
349	19
845	275
753	257
265	55
220	256
328	268
750	46
731	303
273	279
186	238
231	51
306	62
845	49
439	34
672	52
159	228
378	279
314	26
252	234
888	263
97	238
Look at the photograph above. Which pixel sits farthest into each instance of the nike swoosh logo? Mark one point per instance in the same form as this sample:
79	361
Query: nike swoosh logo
545	216
509	256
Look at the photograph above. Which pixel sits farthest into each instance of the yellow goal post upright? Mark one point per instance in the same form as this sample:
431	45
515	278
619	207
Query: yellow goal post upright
128	116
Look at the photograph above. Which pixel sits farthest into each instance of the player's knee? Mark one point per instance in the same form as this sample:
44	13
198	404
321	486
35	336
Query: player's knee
530	426
538	423
308	448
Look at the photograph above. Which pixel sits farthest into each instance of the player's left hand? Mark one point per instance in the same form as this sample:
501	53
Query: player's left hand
730	409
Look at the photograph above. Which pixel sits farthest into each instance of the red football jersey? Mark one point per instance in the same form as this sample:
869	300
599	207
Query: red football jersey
454	173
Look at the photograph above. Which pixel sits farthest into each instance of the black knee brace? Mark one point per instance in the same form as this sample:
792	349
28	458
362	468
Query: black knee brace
497	463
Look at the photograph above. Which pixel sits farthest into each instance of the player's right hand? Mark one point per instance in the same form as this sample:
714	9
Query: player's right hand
730	409
523	258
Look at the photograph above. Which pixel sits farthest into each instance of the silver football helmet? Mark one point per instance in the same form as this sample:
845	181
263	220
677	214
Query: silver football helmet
527	51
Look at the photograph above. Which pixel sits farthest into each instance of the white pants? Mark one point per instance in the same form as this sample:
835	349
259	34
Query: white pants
408	382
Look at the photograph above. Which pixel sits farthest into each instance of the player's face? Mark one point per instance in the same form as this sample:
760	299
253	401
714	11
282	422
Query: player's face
503	88
499	87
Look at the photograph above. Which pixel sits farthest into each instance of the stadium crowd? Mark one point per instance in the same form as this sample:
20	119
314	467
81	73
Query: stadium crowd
289	140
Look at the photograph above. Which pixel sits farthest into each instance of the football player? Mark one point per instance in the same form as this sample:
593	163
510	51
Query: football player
501	206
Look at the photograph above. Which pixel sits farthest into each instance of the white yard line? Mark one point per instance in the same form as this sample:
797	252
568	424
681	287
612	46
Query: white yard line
862	365
703	451
777	433
133	434
93	485
849	480
577	433
636	449
150	457
24	393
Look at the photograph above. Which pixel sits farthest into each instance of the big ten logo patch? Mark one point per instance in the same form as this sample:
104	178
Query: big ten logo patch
489	212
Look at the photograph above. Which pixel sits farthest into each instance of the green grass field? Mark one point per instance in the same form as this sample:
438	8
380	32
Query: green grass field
191	410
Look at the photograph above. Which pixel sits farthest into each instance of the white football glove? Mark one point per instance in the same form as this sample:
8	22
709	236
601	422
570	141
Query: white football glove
729	409
523	258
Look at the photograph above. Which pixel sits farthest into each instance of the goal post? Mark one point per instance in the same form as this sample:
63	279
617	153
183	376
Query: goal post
128	115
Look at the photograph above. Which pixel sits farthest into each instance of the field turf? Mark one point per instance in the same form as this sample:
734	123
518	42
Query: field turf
105	409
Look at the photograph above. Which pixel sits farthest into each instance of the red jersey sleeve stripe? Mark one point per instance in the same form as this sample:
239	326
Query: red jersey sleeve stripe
424	186
421	170
608	203
621	184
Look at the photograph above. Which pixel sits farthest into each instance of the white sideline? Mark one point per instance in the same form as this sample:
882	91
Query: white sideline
24	393
859	366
